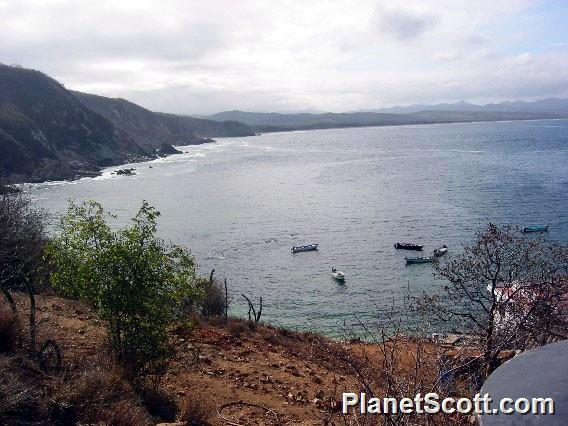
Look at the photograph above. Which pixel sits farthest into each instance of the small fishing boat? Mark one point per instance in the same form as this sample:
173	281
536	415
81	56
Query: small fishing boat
535	228
415	260
337	275
308	247
408	246
440	251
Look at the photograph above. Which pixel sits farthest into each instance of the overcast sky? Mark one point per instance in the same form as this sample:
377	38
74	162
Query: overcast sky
193	56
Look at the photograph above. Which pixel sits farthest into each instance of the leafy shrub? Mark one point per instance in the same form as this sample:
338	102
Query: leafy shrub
136	281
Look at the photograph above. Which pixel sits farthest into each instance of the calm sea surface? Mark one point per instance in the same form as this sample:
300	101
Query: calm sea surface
240	204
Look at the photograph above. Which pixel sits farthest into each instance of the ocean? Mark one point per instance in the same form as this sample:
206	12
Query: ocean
240	204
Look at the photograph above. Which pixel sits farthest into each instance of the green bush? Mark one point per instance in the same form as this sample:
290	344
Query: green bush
135	280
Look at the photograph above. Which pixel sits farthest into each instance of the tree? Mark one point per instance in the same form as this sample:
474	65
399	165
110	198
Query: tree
136	281
22	239
507	290
394	360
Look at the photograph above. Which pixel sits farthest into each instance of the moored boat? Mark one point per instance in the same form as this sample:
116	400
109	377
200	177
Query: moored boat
308	247
408	246
440	251
535	228
414	260
337	275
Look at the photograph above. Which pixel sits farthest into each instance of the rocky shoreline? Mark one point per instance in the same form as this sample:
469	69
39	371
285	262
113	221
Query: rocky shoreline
78	170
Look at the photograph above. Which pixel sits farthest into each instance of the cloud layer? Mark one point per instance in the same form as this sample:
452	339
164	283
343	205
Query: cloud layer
202	56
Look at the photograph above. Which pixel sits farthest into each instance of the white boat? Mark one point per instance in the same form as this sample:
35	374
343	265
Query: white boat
440	251
337	275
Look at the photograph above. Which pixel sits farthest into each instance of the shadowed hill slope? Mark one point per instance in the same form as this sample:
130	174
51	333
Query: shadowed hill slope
49	133
152	129
46	133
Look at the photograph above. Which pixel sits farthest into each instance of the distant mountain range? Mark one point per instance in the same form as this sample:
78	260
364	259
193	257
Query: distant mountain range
302	121
48	132
550	105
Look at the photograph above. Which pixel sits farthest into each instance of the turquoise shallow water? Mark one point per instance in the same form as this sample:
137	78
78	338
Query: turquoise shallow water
241	203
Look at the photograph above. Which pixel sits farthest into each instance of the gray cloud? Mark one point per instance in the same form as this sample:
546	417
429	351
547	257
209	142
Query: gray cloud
403	25
184	98
201	56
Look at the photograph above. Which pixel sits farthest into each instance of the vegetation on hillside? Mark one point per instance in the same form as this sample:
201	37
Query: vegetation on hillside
507	290
137	282
22	239
154	130
504	292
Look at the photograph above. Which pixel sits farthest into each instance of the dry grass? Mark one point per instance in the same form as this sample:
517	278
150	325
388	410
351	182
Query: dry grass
216	321
194	319
21	403
159	403
214	300
236	327
127	413
101	395
196	410
9	330
264	365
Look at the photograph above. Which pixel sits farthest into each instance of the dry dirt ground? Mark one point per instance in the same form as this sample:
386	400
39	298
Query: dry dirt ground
297	376
240	373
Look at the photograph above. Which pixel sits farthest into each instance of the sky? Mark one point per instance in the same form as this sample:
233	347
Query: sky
206	56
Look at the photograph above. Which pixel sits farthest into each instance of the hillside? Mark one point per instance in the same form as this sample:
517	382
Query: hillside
308	120
151	129
298	377
294	374
50	133
302	121
46	133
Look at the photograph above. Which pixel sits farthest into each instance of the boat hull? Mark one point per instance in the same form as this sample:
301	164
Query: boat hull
407	246
300	249
417	260
530	229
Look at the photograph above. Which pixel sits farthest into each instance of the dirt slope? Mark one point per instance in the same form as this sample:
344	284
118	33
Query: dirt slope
296	375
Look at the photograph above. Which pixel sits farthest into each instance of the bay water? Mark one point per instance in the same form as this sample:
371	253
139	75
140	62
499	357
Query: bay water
240	204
